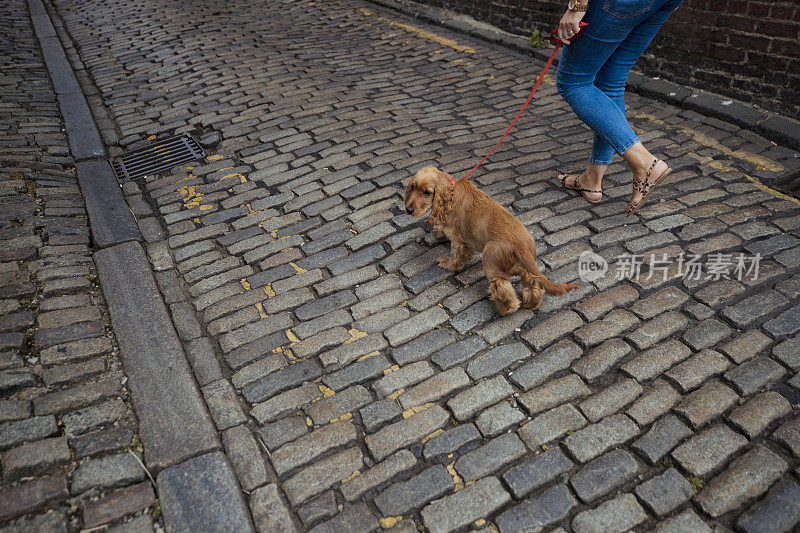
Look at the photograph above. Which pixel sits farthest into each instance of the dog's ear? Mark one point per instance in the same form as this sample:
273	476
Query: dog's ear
442	203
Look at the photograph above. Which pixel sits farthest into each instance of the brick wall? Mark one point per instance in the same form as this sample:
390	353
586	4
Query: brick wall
747	49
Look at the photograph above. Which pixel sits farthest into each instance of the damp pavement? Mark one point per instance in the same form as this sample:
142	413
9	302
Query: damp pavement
273	348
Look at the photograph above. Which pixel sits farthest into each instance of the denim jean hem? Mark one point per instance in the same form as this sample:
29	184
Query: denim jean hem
627	147
594	161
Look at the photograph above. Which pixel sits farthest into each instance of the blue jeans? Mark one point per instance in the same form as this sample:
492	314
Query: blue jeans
593	69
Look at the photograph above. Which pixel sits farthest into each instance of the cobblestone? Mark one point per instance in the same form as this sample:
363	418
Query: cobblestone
706	403
663	436
465	506
610	399
490	457
595	439
662	494
466	403
748	477
778	511
752	375
543	365
706	451
553	394
619	514
406	432
550	425
426	486
450	441
756	414
603	474
380	474
547	508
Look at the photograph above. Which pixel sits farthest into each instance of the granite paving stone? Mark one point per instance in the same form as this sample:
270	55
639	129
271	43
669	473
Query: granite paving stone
748	477
603	474
663	493
706	451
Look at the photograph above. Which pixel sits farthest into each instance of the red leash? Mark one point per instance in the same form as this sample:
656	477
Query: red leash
556	41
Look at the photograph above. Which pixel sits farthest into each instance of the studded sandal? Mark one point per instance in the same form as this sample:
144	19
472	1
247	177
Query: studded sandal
646	186
565	181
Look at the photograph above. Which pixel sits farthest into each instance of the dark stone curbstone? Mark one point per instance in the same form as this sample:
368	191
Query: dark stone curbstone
202	494
110	217
174	423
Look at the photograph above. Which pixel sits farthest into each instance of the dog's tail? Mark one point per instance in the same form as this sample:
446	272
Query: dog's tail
528	259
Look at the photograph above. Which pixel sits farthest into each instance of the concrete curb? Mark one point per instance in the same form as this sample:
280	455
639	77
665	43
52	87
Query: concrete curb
173	422
110	218
777	128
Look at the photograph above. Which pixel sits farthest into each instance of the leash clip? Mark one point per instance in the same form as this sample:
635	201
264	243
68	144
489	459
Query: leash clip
554	34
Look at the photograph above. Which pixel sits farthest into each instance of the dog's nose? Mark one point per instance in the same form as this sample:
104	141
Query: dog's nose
410	210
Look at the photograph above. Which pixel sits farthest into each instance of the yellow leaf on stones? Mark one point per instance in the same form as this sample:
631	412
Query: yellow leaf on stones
457	481
297	269
327	392
346	416
292	337
429	437
390	521
352	476
268	290
393	368
245	284
274	234
417	409
395	394
354	336
309	422
480	522
215	157
151	138
206	207
363	357
260	309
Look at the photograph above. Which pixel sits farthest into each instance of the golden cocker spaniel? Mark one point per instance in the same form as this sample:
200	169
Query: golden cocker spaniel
475	223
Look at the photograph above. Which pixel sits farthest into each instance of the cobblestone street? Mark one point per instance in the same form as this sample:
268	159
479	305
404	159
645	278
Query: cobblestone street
355	385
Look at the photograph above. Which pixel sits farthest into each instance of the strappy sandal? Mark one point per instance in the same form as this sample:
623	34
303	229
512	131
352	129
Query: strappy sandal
646	186
563	178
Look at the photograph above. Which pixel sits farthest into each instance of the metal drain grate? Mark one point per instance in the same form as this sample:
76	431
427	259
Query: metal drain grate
788	183
158	157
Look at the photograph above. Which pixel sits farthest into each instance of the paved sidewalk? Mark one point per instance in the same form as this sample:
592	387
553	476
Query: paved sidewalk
68	435
355	384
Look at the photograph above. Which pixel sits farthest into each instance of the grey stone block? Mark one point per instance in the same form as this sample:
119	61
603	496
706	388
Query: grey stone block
536	472
778	511
173	422
202	494
450	441
602	475
85	141
620	514
406	496
465	506
663	436
492	456
542	510
666	492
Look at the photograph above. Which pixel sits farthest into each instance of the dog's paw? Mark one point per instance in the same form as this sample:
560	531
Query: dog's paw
445	263
439	234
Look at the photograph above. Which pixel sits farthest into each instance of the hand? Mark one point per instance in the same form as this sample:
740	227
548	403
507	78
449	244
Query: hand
568	27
